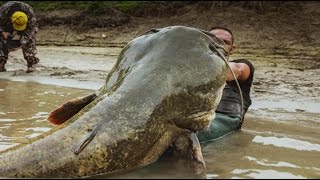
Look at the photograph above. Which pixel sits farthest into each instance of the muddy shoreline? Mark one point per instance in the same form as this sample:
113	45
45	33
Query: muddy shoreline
287	28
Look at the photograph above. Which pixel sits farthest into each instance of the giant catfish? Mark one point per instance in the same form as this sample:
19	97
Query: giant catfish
165	84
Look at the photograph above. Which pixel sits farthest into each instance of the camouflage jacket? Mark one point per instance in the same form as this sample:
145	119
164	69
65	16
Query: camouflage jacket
6	11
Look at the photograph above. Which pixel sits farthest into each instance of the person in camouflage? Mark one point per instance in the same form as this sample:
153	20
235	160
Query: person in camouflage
18	27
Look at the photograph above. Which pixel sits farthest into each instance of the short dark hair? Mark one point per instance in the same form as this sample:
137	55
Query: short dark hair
223	28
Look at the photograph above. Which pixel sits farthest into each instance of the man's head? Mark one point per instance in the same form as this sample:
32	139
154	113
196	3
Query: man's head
224	34
19	20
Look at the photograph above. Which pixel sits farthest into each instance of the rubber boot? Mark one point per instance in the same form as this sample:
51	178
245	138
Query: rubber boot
31	68
2	66
32	61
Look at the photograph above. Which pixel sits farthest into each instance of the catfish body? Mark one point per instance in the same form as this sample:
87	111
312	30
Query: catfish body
165	83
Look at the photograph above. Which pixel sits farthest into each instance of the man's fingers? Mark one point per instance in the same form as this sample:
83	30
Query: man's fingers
5	35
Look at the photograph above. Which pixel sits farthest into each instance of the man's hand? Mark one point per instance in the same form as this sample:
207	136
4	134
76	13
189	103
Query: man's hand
5	35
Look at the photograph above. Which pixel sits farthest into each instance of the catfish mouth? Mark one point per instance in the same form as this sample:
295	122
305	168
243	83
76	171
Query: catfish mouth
202	115
196	121
204	118
198	107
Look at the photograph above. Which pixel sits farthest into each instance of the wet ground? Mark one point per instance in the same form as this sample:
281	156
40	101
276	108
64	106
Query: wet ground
280	135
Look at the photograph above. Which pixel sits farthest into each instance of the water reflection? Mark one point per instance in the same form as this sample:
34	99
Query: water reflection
266	174
287	143
245	154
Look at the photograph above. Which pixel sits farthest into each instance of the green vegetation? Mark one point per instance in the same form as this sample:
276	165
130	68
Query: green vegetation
147	7
125	6
90	7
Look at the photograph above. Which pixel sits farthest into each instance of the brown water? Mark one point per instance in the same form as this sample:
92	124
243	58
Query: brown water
280	137
24	107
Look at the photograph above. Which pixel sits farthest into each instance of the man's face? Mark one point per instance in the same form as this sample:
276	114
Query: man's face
226	37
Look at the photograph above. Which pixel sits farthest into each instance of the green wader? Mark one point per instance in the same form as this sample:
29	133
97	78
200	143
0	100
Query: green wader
221	125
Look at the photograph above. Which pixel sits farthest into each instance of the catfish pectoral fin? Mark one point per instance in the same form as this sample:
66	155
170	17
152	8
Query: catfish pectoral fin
69	109
199	164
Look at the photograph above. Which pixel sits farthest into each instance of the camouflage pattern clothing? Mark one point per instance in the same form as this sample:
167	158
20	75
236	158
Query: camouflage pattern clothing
26	37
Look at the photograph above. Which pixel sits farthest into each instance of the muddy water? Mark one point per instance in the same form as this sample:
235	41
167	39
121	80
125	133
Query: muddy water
24	107
279	138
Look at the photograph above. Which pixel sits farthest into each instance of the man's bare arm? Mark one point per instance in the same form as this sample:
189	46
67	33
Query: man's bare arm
241	71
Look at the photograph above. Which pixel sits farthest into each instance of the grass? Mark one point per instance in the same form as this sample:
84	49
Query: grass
100	7
90	7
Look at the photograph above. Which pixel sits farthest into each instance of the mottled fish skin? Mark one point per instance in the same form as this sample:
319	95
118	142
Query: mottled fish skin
165	83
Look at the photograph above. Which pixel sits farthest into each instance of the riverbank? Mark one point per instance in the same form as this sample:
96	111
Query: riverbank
288	30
